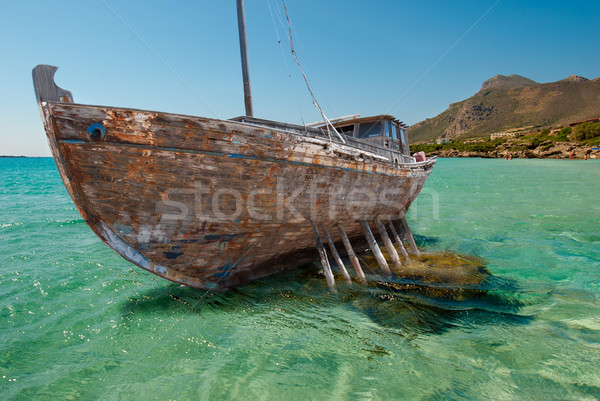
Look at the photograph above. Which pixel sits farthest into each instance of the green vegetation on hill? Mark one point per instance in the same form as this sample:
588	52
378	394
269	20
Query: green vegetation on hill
567	142
585	131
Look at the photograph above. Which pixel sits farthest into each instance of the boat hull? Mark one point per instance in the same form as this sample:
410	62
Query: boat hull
215	203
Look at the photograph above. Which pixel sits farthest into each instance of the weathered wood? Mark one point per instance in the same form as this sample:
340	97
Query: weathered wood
193	134
336	256
409	236
333	120
45	88
398	241
186	197
324	260
244	57
375	248
388	243
218	160
351	255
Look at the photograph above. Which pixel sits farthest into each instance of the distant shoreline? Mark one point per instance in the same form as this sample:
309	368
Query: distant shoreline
532	146
24	157
563	151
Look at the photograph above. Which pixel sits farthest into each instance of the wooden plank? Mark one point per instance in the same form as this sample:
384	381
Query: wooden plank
409	236
351	255
388	243
175	131
334	120
375	248
324	259
336	256
398	241
45	88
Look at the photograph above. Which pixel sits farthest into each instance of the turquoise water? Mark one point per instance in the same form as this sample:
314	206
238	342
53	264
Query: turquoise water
79	322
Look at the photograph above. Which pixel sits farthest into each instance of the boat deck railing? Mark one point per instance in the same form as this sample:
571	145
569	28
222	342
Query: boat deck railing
393	156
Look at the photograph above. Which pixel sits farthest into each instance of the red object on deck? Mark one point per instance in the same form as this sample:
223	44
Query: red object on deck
420	156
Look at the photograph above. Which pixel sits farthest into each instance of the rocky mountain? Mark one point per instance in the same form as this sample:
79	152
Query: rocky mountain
513	101
507	82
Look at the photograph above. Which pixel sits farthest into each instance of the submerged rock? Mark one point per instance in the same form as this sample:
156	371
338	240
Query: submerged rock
439	275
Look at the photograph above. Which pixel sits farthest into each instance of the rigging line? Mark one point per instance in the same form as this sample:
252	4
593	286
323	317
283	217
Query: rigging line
298	42
444	55
315	102
139	38
278	13
285	62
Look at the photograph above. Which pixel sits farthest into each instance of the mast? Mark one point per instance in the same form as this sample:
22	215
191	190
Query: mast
244	54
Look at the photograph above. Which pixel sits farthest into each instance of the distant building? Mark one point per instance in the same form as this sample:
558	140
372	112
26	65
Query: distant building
497	135
439	141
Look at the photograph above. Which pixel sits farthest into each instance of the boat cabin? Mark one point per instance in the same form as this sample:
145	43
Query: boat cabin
384	130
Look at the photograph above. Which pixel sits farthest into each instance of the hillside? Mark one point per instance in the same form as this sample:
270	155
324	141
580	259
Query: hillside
508	102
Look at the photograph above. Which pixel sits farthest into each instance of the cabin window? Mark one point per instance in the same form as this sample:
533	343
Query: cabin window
369	130
391	131
394	131
347	130
404	139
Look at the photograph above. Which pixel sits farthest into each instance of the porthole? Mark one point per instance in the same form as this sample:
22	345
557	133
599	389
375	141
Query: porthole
96	132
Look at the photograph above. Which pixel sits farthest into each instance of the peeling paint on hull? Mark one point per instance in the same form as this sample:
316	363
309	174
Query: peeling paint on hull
215	203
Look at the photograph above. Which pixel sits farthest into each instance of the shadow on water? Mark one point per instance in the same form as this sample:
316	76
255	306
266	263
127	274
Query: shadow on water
435	293
423	241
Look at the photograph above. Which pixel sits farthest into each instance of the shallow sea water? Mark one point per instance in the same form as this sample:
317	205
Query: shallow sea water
79	322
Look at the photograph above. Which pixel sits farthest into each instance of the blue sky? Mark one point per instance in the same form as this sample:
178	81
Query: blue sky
407	58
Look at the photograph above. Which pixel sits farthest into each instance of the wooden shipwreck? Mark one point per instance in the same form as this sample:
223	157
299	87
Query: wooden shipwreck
215	203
